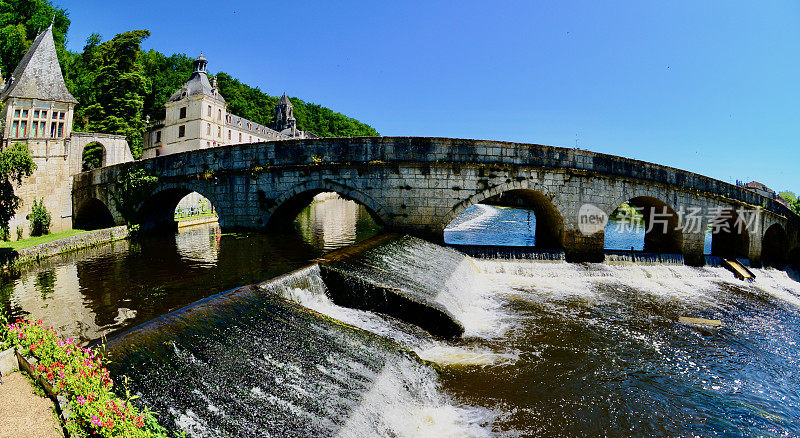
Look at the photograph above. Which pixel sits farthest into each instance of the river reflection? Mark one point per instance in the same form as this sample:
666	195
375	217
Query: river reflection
100	291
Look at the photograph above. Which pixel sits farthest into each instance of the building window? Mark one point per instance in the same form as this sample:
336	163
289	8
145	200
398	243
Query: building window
181	131
209	111
39	124
240	137
183	113
56	129
19	125
251	139
208	128
158	136
208	144
219	115
219	132
229	134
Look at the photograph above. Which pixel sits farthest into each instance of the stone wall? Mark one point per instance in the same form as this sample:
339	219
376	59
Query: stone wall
57	162
85	240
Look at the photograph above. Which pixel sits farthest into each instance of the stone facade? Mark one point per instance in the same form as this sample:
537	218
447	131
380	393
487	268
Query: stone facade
418	185
197	118
38	110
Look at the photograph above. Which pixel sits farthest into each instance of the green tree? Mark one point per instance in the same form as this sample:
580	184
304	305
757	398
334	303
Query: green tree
15	164
111	84
251	103
21	21
792	200
39	218
168	73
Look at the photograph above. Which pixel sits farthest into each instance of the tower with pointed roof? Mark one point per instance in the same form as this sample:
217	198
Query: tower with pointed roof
38	110
284	115
37	104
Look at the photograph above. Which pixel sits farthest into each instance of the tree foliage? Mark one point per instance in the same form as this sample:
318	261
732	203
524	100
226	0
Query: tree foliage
39	218
253	104
792	200
21	21
168	73
15	164
110	82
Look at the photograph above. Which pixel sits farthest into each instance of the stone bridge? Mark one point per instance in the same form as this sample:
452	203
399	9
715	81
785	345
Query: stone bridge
419	185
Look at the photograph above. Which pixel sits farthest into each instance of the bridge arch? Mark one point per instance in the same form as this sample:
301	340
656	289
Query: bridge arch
157	213
549	232
286	207
661	223
775	247
93	214
729	235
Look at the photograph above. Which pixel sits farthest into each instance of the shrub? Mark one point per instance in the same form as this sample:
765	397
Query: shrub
39	218
79	374
5	234
20	232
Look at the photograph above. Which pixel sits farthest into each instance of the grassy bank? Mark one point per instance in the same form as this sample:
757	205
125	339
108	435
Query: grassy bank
25	243
197	216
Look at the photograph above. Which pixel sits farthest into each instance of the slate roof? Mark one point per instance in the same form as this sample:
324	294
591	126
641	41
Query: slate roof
38	75
197	84
284	100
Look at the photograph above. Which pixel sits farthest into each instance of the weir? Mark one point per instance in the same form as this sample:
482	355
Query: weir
254	351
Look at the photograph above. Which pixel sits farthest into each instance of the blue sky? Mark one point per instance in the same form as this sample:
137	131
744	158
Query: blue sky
710	87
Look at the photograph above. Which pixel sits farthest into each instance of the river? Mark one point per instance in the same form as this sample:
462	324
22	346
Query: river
549	348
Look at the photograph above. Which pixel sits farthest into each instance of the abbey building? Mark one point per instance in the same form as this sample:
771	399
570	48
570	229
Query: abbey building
197	117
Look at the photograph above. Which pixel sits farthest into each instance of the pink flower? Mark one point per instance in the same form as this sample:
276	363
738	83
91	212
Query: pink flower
81	400
96	421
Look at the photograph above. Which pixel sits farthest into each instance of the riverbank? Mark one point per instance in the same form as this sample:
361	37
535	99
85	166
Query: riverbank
20	252
202	219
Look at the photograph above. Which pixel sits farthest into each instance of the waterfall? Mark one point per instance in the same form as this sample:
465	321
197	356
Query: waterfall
250	363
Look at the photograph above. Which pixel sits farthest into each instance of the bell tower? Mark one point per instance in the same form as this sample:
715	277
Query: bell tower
284	115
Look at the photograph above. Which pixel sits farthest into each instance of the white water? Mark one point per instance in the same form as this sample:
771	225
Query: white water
483	216
697	286
405	399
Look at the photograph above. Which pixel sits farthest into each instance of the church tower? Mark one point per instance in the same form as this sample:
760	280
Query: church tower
284	116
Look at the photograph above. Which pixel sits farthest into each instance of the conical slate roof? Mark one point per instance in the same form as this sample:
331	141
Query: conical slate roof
284	100
38	75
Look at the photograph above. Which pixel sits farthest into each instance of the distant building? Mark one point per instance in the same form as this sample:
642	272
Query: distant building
38	110
197	117
285	123
761	189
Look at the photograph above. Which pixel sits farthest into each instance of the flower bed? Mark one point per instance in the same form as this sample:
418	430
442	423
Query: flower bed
78	374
